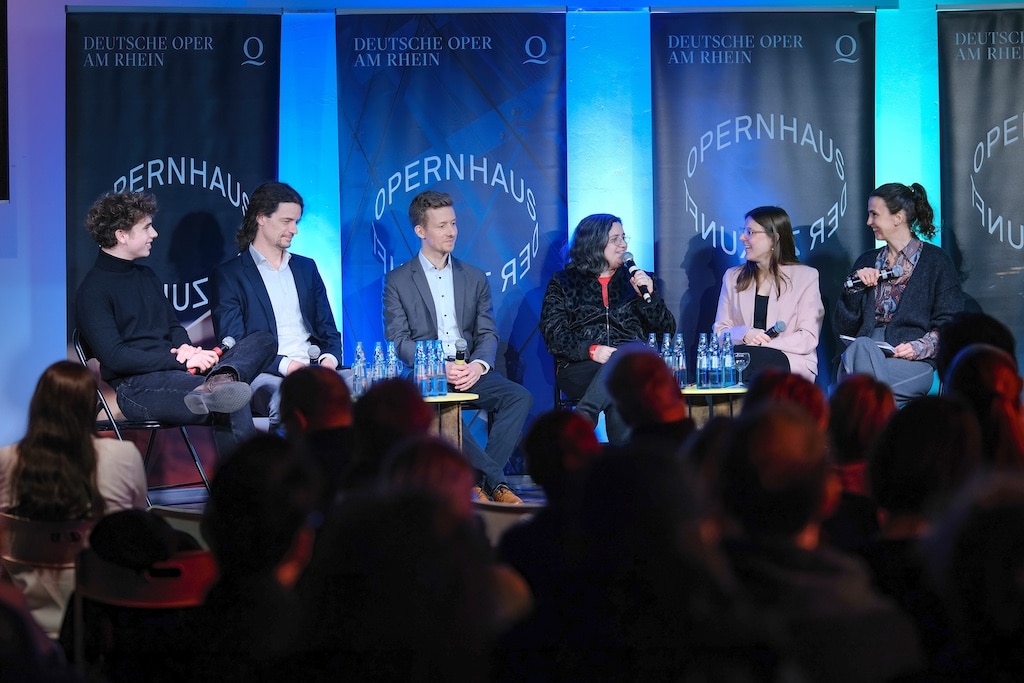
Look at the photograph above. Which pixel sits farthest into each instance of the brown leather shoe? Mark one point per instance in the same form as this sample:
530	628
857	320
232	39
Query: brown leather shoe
503	494
478	494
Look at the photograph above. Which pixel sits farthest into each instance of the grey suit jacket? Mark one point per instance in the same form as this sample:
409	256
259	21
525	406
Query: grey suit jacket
410	315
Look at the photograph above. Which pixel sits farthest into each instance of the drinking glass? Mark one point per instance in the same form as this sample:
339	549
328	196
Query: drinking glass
742	360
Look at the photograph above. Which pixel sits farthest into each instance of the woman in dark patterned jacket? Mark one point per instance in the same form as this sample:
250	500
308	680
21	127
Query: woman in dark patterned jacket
904	308
591	308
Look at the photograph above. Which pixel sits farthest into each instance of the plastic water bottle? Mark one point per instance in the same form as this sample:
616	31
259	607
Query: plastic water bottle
679	349
440	376
377	373
652	341
714	363
728	361
422	369
391	361
702	361
359	371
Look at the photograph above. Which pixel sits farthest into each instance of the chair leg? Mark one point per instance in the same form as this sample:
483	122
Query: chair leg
195	457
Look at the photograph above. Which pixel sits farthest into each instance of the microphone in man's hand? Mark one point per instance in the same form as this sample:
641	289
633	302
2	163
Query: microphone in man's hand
460	351
627	260
776	329
225	345
314	354
853	282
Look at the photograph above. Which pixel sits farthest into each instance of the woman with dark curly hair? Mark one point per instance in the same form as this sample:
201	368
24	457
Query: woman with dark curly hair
905	308
591	308
61	471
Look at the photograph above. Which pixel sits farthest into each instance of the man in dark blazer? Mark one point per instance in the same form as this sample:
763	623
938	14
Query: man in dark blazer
265	287
435	296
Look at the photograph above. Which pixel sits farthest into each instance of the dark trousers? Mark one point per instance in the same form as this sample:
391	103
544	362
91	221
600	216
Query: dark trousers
507	405
586	381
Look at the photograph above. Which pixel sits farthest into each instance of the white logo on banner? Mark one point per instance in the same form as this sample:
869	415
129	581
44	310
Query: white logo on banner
536	49
434	169
997	219
846	48
252	48
764	128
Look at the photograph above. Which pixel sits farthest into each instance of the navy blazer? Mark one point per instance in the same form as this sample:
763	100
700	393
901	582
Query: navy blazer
240	304
410	316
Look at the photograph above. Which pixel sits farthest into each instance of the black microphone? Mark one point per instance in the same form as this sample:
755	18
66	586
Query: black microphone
460	351
853	282
776	329
314	354
627	260
225	345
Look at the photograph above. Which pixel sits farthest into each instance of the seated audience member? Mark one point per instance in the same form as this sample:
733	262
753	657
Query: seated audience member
986	377
924	455
558	446
400	588
977	558
316	411
59	471
648	600
701	455
773	386
968	327
647	397
773	483
591	308
27	654
256	524
389	412
858	410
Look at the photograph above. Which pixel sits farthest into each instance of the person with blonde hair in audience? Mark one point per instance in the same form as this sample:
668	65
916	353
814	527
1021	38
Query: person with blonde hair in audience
60	470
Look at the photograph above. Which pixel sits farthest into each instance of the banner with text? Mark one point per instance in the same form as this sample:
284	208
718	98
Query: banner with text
469	104
754	109
981	109
184	106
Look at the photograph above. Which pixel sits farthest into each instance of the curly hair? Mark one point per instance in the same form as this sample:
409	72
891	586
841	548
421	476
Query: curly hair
429	199
913	201
589	241
264	202
54	476
115	211
779	229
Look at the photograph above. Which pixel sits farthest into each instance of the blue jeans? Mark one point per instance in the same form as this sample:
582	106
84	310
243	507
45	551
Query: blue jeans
507	405
161	395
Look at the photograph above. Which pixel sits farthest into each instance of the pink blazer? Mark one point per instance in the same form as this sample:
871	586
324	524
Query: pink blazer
799	306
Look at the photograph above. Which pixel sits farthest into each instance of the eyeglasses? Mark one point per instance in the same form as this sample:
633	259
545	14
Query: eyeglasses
618	240
748	232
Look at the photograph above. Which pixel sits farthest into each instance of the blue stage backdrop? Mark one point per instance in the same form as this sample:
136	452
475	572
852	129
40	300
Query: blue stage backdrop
982	123
184	106
469	104
755	109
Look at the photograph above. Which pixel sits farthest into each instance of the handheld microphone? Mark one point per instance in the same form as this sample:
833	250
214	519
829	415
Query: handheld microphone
853	282
776	329
460	351
314	354
627	260
225	345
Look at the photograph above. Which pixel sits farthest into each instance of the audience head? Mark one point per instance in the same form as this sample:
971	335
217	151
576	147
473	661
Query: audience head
315	398
643	387
986	378
55	473
913	201
115	211
390	411
859	408
923	456
264	201
965	328
558	446
772	480
259	503
587	251
772	385
432	465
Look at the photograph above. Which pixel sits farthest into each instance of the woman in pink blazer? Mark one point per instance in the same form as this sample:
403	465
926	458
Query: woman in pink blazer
772	287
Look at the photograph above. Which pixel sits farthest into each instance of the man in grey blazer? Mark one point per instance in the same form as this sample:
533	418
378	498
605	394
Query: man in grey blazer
435	296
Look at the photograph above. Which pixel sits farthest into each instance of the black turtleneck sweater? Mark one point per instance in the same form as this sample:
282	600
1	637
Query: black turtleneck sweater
122	313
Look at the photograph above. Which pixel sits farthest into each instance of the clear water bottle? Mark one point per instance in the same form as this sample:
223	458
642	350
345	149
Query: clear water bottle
422	369
679	350
391	361
652	341
702	361
440	376
714	363
359	371
377	372
728	361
